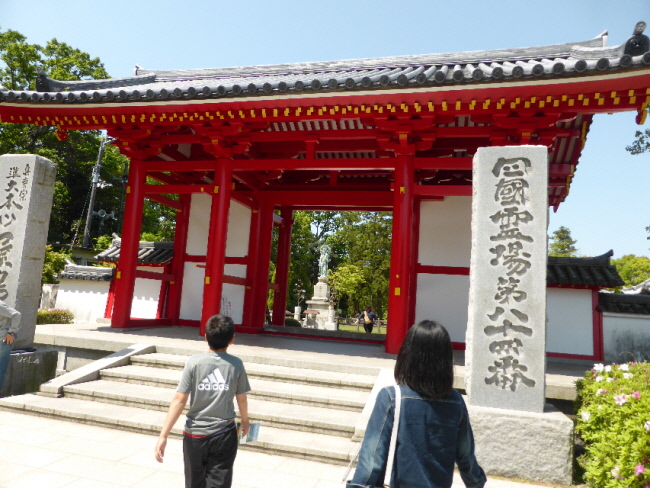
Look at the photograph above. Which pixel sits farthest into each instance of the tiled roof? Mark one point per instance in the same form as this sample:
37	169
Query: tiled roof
620	303
584	58
596	271
92	273
148	253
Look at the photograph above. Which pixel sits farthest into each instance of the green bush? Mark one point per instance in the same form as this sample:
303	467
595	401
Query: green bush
613	419
54	316
292	323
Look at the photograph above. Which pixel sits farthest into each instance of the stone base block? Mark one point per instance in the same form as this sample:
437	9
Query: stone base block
517	444
28	370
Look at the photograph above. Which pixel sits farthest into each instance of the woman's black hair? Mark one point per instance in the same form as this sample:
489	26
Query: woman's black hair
425	362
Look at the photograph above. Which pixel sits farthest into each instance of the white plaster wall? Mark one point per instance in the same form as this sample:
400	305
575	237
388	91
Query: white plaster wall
445	232
444	298
199	223
192	297
627	337
239	222
84	298
569	329
145	295
239	226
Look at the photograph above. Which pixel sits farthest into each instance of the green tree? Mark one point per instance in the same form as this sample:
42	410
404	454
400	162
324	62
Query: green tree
562	245
53	264
633	269
76	156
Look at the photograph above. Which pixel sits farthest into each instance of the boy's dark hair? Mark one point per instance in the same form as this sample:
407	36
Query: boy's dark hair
425	362
219	331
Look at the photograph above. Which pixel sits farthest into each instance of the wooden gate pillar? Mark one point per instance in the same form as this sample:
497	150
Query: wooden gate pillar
217	236
282	266
401	265
261	275
129	247
178	264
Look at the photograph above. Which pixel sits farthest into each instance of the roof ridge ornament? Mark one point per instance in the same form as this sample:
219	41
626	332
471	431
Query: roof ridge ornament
638	44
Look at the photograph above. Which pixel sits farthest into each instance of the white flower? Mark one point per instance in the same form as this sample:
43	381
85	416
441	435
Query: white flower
599	379
608	369
599	367
615	473
586	416
628	376
624	367
601	391
609	380
646	426
620	399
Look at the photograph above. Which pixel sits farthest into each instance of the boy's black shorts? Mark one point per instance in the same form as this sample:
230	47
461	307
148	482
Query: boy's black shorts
209	460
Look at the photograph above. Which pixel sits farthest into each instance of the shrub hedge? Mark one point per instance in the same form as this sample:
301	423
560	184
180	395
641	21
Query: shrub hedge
613	419
291	323
54	316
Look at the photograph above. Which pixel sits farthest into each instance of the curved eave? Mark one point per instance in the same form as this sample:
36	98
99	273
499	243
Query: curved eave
349	82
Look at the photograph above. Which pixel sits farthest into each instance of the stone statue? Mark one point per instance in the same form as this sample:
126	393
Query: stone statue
324	259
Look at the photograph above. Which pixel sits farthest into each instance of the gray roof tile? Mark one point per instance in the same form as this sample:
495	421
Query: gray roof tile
559	60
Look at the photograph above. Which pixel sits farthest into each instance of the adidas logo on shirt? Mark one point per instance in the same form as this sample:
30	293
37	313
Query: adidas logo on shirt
214	382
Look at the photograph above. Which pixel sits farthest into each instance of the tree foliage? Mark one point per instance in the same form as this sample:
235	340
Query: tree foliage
76	156
359	262
562	245
633	269
53	264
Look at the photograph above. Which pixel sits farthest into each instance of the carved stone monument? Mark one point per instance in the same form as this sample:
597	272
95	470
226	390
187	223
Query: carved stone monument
506	334
26	191
321	317
505	358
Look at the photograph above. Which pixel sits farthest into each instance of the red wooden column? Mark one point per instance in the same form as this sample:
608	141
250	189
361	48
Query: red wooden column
251	269
178	264
415	242
261	276
282	266
217	236
126	267
399	287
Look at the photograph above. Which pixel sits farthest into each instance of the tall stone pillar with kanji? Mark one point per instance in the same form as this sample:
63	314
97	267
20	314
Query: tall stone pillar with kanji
26	192
506	333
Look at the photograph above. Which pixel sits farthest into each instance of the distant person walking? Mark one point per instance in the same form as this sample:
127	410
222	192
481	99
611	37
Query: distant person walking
212	381
9	323
433	433
368	318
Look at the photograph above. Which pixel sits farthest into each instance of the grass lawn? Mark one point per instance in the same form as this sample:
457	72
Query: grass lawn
353	328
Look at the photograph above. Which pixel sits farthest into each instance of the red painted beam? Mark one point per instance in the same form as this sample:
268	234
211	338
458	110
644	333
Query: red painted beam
163	200
150	275
234	280
442	190
334	198
178	189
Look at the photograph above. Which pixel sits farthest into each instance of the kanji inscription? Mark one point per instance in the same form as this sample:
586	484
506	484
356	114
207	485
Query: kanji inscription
506	331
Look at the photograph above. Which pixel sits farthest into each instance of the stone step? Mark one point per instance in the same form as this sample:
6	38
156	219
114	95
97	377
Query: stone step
290	416
319	363
301	394
308	445
330	379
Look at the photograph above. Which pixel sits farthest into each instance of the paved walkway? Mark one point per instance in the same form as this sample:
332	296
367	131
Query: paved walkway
35	452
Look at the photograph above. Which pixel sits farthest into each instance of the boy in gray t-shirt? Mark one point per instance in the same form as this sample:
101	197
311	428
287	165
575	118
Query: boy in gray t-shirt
211	381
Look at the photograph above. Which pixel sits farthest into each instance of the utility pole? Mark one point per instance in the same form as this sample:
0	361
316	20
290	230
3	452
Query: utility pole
93	194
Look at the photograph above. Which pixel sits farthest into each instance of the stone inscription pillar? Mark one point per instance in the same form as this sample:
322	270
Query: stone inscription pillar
506	334
26	191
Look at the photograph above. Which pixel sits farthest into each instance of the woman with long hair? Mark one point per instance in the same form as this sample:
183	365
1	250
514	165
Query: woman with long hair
434	430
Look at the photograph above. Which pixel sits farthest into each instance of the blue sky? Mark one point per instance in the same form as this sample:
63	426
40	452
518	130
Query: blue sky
609	203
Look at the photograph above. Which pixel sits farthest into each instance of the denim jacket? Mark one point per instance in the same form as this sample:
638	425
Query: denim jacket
432	436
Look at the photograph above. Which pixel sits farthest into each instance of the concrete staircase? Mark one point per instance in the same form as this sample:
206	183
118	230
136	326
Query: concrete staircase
307	409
